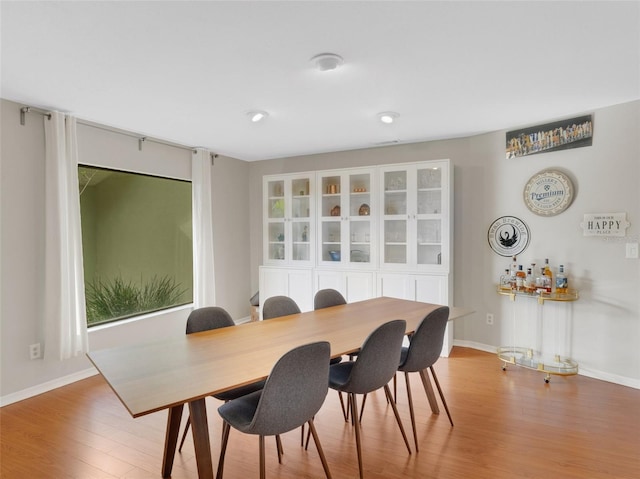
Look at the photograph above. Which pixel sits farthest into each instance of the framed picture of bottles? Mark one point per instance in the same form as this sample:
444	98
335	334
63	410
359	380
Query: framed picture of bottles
558	135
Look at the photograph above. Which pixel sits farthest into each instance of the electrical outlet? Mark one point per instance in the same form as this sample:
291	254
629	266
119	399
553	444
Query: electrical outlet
490	319
632	251
34	351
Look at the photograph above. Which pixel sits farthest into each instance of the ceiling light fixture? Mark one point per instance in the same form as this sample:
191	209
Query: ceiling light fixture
257	115
327	61
388	117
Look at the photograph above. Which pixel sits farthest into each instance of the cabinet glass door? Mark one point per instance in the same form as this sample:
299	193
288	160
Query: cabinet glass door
395	222
360	228
429	215
300	220
276	220
331	218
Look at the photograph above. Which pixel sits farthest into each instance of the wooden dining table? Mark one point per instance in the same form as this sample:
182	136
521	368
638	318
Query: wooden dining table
167	374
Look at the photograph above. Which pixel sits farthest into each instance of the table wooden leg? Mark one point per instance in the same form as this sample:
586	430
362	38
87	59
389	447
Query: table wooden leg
200	429
171	439
426	382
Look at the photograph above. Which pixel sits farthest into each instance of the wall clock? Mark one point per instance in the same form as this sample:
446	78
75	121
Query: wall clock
548	193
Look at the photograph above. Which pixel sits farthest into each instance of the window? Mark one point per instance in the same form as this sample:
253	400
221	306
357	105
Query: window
137	243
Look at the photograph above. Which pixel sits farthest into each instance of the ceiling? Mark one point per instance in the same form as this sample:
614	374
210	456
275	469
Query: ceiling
188	72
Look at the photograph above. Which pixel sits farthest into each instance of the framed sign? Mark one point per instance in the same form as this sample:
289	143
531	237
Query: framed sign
508	236
605	224
548	193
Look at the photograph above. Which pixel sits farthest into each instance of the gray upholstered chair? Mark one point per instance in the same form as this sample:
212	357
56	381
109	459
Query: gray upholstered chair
376	365
424	350
294	392
274	307
205	319
325	298
277	306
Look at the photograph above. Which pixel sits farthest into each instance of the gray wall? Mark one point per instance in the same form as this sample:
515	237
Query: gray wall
22	223
605	331
604	325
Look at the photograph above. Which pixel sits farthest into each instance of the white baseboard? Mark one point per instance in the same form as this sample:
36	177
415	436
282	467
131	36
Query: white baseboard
590	373
473	345
611	378
46	387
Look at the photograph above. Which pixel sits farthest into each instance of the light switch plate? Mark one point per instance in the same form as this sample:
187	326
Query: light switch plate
632	251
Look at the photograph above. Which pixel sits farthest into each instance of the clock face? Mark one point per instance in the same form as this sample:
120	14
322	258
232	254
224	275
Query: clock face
548	193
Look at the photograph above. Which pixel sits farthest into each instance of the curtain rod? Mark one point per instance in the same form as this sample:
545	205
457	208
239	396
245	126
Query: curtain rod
141	138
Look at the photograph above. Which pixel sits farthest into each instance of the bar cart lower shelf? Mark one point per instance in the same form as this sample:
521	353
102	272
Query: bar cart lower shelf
524	357
527	357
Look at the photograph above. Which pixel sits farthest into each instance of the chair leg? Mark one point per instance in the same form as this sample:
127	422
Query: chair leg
279	448
356	425
364	400
345	412
395	387
223	448
387	391
184	434
411	411
302	436
444	403
306	445
262	468
325	465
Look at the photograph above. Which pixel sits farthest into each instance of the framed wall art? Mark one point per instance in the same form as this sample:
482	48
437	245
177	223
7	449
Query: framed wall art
558	135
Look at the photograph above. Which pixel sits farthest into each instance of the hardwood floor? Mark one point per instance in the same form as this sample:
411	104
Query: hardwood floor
507	424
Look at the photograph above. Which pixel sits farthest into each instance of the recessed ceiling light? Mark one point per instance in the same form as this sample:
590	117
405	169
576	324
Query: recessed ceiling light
327	61
388	117
257	115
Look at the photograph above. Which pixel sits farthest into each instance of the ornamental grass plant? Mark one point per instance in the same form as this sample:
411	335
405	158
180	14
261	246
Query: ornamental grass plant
117	298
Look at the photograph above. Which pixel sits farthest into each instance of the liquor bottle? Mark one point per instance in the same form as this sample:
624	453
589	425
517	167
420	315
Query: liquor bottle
520	277
505	280
548	283
529	282
540	280
513	270
561	281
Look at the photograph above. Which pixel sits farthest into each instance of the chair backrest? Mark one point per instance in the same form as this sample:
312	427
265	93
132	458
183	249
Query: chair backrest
276	306
209	317
326	298
426	342
295	390
378	358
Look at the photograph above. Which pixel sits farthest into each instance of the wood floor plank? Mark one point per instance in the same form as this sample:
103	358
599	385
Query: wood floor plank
507	424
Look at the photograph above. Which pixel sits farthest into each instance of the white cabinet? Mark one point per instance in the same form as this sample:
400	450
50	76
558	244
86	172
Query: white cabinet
293	282
288	219
428	288
415	226
346	218
354	285
366	232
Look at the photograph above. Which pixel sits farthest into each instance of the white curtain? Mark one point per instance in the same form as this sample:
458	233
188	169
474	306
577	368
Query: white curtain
64	303
204	293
